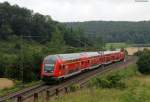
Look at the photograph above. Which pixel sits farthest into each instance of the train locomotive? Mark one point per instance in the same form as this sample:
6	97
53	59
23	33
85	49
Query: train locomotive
61	66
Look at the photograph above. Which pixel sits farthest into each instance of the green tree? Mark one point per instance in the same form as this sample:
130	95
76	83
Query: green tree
144	62
5	31
2	65
57	42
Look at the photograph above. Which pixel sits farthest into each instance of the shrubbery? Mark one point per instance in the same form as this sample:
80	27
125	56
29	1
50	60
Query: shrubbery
74	87
111	81
115	79
144	62
138	53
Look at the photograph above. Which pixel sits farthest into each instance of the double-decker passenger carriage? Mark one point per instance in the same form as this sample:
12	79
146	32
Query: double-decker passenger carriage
60	66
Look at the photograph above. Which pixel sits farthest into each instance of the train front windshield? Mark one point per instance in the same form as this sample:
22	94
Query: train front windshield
49	64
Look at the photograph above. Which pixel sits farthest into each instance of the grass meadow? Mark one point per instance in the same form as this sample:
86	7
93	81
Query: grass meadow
116	45
137	89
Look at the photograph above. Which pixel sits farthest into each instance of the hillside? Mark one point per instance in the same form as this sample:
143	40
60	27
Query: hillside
26	37
115	31
22	22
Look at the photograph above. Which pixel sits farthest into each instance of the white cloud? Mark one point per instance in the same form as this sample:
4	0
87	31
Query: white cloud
83	10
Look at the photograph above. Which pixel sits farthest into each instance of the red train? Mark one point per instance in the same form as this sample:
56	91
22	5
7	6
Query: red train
61	66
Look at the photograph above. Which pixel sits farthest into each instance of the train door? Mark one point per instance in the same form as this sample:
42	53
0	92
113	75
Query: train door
64	69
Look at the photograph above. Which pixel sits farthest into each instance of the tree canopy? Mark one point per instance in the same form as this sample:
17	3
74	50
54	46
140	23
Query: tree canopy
144	62
115	31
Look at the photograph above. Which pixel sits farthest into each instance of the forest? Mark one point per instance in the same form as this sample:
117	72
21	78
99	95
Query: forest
115	31
27	37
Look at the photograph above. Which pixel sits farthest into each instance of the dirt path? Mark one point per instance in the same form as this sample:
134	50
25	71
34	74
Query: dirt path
6	83
132	50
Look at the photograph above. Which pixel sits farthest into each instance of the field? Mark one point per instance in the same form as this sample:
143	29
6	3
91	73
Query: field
131	48
116	45
137	89
6	83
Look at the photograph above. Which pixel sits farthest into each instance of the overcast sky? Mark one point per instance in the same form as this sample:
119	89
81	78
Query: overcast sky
86	10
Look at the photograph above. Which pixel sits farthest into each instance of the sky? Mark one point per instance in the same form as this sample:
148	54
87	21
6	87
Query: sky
87	10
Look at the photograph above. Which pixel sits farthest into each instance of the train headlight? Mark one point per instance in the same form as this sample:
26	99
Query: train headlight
60	73
48	71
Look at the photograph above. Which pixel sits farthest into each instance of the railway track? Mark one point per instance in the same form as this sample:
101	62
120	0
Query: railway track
43	91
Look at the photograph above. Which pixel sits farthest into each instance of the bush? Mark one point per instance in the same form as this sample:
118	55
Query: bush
138	53
110	81
144	62
74	87
114	79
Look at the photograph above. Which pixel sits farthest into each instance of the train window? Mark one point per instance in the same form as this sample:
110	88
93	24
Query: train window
63	67
48	67
82	62
50	59
49	63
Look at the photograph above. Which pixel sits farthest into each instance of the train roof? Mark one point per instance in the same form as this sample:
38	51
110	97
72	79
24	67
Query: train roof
110	52
71	56
74	56
91	54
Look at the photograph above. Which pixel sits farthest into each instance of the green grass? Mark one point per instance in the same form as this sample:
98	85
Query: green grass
116	45
141	45
137	89
109	46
